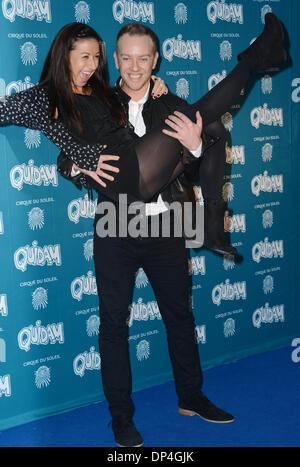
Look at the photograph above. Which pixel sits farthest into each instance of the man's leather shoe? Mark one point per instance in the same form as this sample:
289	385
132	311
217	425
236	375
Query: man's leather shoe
200	405
126	434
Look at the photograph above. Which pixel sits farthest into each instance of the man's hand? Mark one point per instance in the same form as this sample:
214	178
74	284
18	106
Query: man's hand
102	167
186	131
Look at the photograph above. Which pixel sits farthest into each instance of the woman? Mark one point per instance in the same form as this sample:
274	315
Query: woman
76	109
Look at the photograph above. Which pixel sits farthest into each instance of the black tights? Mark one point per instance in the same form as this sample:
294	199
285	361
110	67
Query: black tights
212	163
159	154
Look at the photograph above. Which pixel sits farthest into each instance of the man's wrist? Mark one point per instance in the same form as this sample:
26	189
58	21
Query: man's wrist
197	152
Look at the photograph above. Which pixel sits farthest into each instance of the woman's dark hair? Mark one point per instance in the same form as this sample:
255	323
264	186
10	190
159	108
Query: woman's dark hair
56	75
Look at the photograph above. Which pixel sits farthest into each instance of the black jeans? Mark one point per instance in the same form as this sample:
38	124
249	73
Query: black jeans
164	261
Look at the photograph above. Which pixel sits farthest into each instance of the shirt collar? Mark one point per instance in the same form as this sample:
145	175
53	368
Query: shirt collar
142	100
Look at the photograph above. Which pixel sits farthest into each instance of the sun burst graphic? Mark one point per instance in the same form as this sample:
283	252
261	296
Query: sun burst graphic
141	279
42	377
92	325
32	138
180	13
39	298
36	218
28	53
82	12
143	350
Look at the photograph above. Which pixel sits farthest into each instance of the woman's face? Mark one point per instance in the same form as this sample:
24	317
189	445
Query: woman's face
84	60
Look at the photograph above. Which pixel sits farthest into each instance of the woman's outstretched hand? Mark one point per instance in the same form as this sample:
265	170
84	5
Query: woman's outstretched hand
185	130
101	170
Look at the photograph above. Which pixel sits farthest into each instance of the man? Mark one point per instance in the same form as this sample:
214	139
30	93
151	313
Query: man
164	260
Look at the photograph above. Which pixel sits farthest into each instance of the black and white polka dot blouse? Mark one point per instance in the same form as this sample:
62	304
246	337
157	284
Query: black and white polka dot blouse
30	108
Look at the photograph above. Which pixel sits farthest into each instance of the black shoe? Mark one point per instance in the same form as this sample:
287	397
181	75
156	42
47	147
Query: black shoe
126	434
200	405
214	237
268	49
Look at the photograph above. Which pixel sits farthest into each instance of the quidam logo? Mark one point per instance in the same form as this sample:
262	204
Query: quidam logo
225	12
267	315
267	183
215	79
40	335
265	9
227	291
14	86
235	223
200	334
265	116
38	10
235	154
143	311
2	351
81	207
197	265
32	175
84	285
267	250
177	47
35	255
135	11
87	361
5	386
3	305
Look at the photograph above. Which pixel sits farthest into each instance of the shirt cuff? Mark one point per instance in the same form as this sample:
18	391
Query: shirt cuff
198	151
76	172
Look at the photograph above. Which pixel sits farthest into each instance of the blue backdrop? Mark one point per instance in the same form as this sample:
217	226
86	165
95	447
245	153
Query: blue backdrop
49	359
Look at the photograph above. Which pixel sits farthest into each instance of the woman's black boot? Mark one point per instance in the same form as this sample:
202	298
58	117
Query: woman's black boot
267	50
214	237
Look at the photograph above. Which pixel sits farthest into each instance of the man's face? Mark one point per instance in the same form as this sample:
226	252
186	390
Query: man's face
136	58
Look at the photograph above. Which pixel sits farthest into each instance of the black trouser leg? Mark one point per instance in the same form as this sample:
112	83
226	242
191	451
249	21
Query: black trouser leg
115	268
166	267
